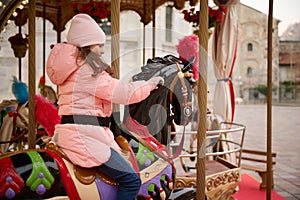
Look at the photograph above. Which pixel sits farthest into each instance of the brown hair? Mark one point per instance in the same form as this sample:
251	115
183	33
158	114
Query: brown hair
94	61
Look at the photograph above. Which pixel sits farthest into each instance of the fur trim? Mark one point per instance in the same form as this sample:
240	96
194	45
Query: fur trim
188	47
46	114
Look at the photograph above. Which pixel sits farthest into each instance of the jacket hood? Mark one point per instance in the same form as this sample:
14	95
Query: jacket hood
62	63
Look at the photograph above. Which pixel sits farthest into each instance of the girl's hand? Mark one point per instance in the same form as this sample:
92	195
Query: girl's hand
158	81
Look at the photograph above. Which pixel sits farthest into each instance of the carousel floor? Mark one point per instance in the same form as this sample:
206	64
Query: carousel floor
249	187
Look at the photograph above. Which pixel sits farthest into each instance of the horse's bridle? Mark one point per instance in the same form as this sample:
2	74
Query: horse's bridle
17	114
187	110
21	134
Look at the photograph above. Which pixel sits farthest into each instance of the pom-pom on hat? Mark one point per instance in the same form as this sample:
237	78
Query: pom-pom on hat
84	31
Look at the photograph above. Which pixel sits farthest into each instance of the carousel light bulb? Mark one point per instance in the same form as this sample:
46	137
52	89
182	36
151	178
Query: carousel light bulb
21	7
15	14
1	4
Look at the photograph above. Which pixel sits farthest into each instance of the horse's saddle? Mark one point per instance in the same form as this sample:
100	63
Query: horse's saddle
84	175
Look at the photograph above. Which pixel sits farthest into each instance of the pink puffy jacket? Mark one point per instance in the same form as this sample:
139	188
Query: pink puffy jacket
82	94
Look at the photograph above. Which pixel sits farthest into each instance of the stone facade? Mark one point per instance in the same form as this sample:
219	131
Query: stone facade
289	65
251	65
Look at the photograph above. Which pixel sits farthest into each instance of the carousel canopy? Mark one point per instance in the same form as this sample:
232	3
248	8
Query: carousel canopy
59	12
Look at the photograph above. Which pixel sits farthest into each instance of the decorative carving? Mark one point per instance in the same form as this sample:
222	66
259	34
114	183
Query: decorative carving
59	12
218	186
222	179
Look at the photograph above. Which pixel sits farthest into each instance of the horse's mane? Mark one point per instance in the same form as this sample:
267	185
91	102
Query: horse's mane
6	103
158	66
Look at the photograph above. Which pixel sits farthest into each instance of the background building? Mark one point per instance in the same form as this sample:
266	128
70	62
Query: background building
250	71
289	66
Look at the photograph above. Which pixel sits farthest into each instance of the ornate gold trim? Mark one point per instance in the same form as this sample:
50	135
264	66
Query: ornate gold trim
218	186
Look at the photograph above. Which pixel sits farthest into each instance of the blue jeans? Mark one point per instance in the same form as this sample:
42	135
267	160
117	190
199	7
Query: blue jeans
120	170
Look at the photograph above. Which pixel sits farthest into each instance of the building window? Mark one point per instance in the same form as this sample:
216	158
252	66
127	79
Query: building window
250	47
249	71
169	16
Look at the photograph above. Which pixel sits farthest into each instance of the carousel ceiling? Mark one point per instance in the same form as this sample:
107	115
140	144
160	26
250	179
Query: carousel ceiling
59	12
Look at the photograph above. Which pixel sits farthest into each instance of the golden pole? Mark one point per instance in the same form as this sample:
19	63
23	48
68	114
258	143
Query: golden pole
202	99
269	102
115	49
153	27
31	74
144	34
115	37
20	59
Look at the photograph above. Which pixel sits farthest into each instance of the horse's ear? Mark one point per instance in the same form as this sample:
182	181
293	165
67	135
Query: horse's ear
188	64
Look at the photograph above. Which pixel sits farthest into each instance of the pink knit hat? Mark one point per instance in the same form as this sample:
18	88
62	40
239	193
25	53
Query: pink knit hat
84	31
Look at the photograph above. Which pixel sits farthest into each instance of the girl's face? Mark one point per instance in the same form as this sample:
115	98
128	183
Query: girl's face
98	49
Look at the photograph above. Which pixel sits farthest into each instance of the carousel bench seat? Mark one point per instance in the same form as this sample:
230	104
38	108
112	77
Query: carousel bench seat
211	167
255	160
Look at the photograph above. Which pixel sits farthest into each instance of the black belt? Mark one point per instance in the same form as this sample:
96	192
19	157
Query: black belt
85	119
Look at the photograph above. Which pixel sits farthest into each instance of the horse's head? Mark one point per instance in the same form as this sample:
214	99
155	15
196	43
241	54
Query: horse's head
170	102
49	93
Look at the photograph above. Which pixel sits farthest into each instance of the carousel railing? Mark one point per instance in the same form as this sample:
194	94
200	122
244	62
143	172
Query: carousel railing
222	149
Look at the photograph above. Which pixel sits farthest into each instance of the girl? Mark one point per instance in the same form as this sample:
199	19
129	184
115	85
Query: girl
86	92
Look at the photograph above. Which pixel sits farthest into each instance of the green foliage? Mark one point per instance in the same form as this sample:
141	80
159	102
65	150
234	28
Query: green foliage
263	89
288	85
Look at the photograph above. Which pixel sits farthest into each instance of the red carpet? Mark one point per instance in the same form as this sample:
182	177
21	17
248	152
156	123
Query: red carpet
249	189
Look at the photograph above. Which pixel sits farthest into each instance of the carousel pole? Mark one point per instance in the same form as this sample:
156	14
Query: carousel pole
115	37
202	99
115	48
153	27
20	59
44	41
44	49
31	74
269	102
144	34
58	36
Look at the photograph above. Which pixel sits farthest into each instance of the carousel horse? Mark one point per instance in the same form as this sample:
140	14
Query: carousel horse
14	116
47	91
48	173
14	122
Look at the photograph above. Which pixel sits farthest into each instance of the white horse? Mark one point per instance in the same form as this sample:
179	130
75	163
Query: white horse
49	93
14	122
